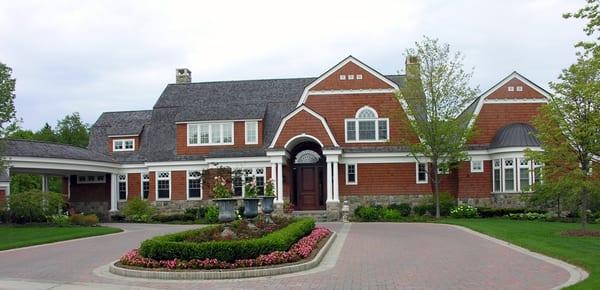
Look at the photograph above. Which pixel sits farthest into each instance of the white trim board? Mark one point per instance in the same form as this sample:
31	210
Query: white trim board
336	68
513	75
294	113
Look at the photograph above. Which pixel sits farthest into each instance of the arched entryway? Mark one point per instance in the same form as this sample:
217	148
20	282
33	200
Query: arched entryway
308	172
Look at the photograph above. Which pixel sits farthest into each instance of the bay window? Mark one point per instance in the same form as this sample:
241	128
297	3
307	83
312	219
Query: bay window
515	174
210	133
367	127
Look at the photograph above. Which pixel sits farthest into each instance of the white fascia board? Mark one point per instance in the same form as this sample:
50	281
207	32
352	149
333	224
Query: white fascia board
351	92
359	160
276	153
336	68
332	152
515	101
238	159
123	136
512	150
4	184
314	114
216	121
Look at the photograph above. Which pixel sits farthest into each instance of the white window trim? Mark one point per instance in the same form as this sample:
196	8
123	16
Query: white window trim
123	149
210	134
515	168
156	185
355	174
187	185
529	174
95	181
126	186
246	126
142	184
426	173
243	177
473	170
387	120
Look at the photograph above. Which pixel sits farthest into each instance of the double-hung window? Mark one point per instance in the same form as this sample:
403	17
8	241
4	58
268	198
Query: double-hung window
421	172
351	174
251	132
509	175
145	185
123	145
497	174
367	127
524	174
241	177
122	187
194	185
210	133
163	185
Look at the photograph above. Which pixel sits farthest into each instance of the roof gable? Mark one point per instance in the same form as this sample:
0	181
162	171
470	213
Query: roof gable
350	67
311	113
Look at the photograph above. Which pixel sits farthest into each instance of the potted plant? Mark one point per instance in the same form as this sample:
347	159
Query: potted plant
267	200
223	200
251	200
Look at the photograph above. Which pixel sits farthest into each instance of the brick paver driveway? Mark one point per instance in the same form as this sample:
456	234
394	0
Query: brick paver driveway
372	256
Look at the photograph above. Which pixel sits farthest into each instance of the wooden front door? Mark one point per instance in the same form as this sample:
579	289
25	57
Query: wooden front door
309	187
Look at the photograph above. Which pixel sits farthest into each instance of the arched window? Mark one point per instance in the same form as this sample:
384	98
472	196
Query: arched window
307	157
367	127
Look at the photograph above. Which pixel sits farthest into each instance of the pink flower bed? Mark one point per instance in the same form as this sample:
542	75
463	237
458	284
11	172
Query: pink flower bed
300	250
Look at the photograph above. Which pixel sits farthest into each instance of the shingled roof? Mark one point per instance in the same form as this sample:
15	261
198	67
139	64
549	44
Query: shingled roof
515	135
29	148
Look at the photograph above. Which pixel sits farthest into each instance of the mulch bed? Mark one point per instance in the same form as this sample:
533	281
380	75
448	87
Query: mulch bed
316	250
581	233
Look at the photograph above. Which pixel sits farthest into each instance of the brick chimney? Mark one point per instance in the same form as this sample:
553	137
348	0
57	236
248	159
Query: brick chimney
183	76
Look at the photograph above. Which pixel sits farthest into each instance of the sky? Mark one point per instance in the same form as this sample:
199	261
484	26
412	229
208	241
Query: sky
96	56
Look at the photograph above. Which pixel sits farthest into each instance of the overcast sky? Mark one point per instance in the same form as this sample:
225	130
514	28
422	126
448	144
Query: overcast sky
95	56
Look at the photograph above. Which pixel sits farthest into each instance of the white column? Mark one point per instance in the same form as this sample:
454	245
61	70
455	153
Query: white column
279	183
45	183
329	182
68	187
336	187
113	192
274	176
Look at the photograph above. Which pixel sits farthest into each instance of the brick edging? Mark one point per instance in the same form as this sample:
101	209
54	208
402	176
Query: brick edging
229	274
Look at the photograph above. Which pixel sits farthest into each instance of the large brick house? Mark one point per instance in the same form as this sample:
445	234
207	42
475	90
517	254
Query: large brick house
323	140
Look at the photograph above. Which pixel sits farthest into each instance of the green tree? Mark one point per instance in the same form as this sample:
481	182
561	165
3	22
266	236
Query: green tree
7	104
45	134
436	90
569	130
71	130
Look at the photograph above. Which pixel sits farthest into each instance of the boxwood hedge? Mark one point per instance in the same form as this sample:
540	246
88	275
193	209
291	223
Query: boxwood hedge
174	245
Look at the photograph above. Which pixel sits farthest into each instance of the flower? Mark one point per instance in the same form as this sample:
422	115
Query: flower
300	250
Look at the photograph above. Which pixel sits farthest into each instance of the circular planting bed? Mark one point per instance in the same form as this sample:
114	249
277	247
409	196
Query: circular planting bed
237	250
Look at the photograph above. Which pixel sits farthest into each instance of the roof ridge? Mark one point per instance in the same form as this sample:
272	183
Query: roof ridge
125	111
244	80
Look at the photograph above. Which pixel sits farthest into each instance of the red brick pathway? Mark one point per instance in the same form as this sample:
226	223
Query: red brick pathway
374	256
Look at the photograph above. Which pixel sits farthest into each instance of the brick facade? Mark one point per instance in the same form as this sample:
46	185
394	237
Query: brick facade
303	123
383	179
336	108
134	185
2	196
368	81
527	93
239	140
474	184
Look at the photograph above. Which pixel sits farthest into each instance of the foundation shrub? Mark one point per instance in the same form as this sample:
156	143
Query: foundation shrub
173	246
212	215
463	211
59	220
369	213
403	208
138	210
391	214
33	206
88	220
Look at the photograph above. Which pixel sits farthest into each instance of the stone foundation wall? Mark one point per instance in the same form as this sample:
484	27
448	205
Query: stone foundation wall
355	200
497	200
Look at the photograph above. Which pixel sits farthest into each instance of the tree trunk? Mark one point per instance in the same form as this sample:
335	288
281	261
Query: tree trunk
584	197
436	189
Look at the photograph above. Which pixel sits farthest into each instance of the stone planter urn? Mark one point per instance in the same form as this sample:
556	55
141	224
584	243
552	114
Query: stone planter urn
226	209
251	207
267	207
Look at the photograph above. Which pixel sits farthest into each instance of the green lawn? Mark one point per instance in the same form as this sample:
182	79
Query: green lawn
22	236
545	238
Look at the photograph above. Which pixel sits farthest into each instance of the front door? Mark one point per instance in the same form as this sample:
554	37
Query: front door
309	187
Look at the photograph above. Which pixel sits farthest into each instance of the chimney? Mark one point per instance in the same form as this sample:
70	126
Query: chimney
183	76
412	66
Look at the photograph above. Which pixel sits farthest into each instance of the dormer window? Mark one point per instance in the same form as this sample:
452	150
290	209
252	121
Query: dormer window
200	134
123	144
367	127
